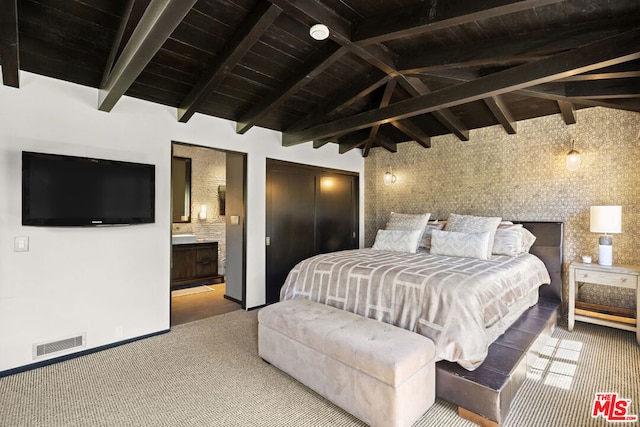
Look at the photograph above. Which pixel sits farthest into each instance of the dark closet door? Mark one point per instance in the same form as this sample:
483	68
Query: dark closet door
290	225
336	217
309	211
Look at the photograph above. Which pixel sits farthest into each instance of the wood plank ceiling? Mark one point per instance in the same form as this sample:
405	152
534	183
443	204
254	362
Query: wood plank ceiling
391	71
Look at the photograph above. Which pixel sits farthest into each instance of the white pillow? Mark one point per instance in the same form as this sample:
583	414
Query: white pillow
399	221
474	224
455	243
398	240
507	242
528	238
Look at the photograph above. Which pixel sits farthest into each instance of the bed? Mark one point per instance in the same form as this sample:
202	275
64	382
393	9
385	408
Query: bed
385	286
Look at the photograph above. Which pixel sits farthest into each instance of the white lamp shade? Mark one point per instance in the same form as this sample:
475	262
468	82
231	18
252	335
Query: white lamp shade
573	160
606	219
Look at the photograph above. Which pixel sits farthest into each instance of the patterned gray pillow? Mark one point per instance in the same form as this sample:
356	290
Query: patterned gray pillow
454	243
400	221
507	242
425	243
397	240
474	224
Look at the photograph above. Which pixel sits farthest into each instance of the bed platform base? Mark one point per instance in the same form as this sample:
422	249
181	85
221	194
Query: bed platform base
484	396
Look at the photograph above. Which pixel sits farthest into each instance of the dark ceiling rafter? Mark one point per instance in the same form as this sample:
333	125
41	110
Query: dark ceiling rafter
542	91
158	22
322	59
606	89
510	50
416	87
115	48
9	43
387	143
347	95
610	51
415	133
567	113
351	141
259	19
501	112
620	71
433	15
373	132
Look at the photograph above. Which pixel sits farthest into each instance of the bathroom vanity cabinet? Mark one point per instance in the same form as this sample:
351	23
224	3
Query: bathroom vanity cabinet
195	263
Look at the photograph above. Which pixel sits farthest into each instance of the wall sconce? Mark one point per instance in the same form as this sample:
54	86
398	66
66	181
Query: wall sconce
389	177
203	212
607	220
573	158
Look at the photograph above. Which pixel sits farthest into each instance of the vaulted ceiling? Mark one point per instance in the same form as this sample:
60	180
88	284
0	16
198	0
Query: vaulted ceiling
391	71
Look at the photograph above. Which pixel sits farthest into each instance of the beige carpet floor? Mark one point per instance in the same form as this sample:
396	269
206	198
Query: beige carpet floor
208	373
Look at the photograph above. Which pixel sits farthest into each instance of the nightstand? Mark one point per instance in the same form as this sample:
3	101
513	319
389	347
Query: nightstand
624	276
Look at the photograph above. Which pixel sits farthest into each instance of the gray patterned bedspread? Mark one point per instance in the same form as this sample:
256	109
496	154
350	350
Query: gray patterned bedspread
461	304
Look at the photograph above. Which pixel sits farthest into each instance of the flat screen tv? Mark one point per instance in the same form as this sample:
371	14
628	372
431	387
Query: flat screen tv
62	190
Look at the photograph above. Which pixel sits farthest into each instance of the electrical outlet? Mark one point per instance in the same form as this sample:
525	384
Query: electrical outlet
21	244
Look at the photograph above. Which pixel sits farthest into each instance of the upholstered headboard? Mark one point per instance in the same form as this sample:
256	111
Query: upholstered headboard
548	247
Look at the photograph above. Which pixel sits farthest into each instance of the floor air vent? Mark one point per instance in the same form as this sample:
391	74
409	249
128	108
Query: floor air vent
47	348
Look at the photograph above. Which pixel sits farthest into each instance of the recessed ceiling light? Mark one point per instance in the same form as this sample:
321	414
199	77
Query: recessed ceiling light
319	32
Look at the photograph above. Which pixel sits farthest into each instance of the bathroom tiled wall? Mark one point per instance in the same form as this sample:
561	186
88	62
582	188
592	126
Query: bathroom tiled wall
208	171
523	177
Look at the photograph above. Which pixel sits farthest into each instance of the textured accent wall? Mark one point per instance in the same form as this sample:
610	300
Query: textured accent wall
523	177
208	171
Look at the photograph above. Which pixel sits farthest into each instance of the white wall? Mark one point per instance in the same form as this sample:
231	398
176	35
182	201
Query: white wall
112	283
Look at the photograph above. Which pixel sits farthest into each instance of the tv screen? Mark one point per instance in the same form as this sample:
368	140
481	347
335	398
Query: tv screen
62	190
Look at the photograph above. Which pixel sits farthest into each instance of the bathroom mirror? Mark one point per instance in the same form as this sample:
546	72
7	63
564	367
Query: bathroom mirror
181	189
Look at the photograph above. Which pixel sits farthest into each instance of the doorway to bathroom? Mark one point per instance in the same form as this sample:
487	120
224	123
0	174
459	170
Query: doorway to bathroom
208	221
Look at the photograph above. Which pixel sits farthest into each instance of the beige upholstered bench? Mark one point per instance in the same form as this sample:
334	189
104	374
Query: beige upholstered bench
381	374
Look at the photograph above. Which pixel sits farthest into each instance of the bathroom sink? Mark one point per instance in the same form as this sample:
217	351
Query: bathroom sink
182	239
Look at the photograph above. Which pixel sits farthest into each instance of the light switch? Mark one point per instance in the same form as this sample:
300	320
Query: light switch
21	244
234	219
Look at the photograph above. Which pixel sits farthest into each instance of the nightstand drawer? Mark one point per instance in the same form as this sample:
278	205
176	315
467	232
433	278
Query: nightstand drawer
606	278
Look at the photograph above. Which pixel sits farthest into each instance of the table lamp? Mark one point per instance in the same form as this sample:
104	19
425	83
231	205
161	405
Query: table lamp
607	220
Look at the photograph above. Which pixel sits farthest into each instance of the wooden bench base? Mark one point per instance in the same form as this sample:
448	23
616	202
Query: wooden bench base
485	395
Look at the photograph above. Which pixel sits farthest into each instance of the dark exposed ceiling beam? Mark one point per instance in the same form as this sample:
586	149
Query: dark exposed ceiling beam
416	87
415	133
351	141
501	113
517	49
387	143
604	53
567	113
386	99
115	48
607	89
259	19
158	22
321	142
9	50
621	71
367	148
542	91
433	15
312	67
347	95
